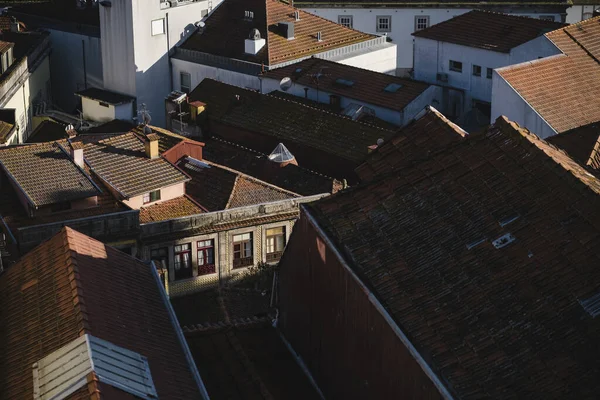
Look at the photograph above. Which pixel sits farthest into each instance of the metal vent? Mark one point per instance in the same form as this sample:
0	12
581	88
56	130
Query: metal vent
503	241
509	220
65	371
592	305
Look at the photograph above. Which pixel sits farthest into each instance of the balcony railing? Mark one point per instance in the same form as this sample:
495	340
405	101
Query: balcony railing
206	269
243	262
275	256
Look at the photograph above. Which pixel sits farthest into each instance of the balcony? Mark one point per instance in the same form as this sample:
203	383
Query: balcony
274	257
206	269
243	262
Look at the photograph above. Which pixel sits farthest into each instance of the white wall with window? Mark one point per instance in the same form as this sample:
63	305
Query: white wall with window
579	12
403	22
155	196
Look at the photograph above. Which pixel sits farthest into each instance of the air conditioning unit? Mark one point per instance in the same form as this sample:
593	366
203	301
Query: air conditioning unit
442	77
165	4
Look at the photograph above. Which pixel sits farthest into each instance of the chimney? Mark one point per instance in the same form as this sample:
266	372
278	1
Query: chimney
151	145
77	153
71	132
14	25
286	29
254	43
297	15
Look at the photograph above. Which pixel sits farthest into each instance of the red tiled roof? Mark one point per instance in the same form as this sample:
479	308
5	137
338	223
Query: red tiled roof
72	285
174	208
491	322
368	86
429	3
227	21
488	30
553	85
216	187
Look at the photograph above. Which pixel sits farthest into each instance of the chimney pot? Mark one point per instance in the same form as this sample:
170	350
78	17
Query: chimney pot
151	145
77	153
319	38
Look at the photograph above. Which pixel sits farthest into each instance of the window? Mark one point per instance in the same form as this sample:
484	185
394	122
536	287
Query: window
384	23
392	87
587	15
476	70
206	257
275	243
344	82
345	20
421	22
158	27
183	261
547	17
242	250
489	73
152	196
103	104
160	257
455	66
186	82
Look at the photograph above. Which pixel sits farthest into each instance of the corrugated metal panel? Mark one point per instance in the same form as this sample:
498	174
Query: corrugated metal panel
64	371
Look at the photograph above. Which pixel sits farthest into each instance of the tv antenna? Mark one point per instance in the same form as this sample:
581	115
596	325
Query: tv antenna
146	119
317	77
285	84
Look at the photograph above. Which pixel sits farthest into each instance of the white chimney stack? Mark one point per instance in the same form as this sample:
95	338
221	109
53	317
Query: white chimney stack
254	42
77	153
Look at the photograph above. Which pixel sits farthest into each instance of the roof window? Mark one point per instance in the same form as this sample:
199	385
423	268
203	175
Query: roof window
592	305
344	82
392	87
504	241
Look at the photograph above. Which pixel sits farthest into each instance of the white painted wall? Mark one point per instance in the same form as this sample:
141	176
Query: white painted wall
379	59
506	101
403	23
539	47
576	13
66	65
199	71
135	61
94	111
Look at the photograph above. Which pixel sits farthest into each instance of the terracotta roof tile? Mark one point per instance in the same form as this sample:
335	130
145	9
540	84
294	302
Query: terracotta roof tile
217	187
368	86
488	30
552	85
491	322
72	285
228	20
121	161
413	3
174	208
46	173
288	121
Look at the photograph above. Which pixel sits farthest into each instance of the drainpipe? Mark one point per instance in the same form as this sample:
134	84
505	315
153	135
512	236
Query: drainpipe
84	66
169	51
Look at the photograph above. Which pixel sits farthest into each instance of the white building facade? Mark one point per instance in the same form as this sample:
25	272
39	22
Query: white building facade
579	11
398	23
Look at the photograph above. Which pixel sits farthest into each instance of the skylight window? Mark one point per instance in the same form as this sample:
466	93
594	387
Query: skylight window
592	305
392	87
344	82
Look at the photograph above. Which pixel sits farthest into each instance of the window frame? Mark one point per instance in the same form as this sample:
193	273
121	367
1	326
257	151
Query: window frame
427	19
181	85
246	247
177	260
163	259
473	70
378	24
454	68
153	26
151	197
207	249
550	18
351	25
489	73
275	255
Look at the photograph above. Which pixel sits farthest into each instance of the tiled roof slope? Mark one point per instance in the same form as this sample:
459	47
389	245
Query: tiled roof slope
48	130
46	173
6	129
581	144
429	134
72	285
228	21
287	120
121	161
558	96
413	3
216	187
491	322
488	30
174	208
292	177
368	85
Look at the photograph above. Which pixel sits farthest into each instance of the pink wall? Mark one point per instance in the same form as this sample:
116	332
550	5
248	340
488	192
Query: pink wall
166	193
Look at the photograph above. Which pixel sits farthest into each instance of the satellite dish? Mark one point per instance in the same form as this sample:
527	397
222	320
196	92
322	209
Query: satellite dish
379	142
285	84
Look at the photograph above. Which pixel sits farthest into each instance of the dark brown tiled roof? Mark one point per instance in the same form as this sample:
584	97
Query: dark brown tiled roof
291	177
167	139
368	85
174	208
6	130
429	3
228	21
580	143
429	134
488	30
46	173
288	121
491	322
217	187
5	22
121	161
559	97
47	131
72	285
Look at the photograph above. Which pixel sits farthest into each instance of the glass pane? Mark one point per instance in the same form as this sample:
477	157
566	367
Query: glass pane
209	256
270	245
280	242
275	231
186	80
248	249
186	260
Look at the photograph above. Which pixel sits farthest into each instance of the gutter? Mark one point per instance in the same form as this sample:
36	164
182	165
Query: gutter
445	393
180	336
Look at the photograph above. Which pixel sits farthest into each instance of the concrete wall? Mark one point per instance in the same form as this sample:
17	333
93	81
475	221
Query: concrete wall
506	101
94	111
67	67
578	13
539	47
199	71
166	193
403	23
379	59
